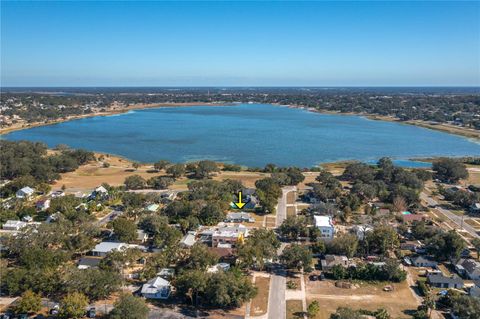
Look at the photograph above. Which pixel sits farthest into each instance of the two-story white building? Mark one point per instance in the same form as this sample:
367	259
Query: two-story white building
326	227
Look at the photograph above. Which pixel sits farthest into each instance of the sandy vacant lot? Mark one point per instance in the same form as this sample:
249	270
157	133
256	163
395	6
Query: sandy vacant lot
366	296
89	176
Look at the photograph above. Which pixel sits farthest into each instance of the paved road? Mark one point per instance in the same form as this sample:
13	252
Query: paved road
454	218
276	298
282	204
110	216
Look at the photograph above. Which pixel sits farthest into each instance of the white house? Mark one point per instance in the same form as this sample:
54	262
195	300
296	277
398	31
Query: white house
421	261
14	225
105	247
156	288
218	267
239	218
43	204
25	192
188	240
325	225
361	231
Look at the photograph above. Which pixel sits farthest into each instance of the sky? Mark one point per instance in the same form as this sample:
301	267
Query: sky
362	43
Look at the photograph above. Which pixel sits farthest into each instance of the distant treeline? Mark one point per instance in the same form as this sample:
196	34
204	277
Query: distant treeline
429	104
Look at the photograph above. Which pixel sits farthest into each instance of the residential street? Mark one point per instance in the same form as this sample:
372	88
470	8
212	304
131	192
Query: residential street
276	298
454	218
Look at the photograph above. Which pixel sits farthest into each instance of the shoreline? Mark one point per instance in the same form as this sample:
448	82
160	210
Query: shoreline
441	127
110	112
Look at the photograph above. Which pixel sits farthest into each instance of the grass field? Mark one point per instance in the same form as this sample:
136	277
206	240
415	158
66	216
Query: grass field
367	296
93	174
260	302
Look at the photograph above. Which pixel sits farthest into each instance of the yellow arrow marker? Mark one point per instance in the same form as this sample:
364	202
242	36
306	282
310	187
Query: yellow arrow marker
239	204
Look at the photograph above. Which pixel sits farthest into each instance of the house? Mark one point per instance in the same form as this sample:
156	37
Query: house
333	260
53	217
27	219
99	193
14	225
239	218
469	268
152	207
475	208
105	247
25	192
475	289
166	273
156	288
325	225
225	255
412	245
361	231
188	240
421	261
43	204
57	194
218	267
410	218
88	262
226	234
438	280
142	236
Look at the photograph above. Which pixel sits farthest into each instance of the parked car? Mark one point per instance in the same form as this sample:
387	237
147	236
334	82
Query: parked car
92	313
313	277
321	276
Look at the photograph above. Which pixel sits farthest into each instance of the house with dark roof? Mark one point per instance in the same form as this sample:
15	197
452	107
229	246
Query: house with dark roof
469	268
88	262
438	280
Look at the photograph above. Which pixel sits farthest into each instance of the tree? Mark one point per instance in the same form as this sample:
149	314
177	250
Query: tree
191	283
261	245
382	239
200	257
449	170
161	164
176	170
466	307
134	182
95	283
73	305
124	229
429	303
135	165
294	227
446	245
205	168
312	309
129	307
30	302
296	257
229	289
346	313
268	192
160	182
345	244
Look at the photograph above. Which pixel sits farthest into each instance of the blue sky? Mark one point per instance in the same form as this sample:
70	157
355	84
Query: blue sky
394	43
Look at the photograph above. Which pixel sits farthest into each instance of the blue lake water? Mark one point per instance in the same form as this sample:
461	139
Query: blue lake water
248	134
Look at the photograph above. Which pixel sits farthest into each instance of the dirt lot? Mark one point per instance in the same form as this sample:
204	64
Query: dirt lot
294	309
291	197
291	211
366	296
89	176
259	304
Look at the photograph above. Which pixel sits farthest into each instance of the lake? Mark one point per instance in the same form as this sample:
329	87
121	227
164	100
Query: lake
248	134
